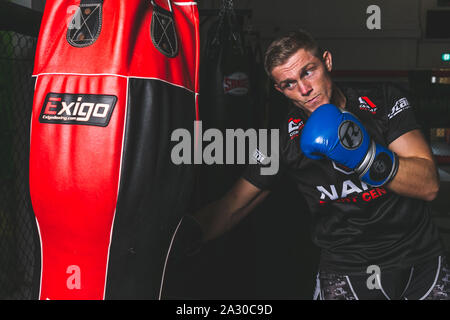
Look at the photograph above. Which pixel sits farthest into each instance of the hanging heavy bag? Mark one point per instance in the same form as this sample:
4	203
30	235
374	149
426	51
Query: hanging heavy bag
114	79
225	101
258	78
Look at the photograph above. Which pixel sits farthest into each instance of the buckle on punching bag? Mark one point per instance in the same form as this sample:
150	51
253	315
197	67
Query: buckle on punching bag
86	24
163	32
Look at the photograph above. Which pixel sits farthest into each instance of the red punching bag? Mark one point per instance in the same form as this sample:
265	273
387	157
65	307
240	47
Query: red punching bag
113	79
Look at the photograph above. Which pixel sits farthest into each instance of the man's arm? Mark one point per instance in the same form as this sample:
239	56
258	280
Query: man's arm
220	216
417	175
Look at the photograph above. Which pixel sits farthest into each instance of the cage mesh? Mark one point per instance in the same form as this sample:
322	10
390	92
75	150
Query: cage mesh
18	246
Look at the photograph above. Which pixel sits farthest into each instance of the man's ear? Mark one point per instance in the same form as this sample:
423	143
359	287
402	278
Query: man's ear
328	60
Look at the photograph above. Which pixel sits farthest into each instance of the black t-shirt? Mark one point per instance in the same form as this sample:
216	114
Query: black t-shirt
357	225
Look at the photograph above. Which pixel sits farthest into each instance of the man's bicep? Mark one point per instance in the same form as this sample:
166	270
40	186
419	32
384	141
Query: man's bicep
417	176
411	144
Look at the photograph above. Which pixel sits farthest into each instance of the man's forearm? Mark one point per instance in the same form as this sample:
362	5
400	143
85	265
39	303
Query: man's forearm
214	219
220	216
417	178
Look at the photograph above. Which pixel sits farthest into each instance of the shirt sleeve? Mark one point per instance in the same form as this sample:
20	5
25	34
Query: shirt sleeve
400	113
268	166
254	175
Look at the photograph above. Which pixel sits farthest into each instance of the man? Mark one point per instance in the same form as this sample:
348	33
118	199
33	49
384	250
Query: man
366	172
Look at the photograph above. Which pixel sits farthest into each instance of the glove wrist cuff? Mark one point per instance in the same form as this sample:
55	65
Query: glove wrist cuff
379	166
367	161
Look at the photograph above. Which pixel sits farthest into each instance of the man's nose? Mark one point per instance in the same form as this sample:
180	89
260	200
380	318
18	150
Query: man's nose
304	87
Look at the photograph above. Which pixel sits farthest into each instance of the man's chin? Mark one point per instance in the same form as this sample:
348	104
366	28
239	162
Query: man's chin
310	107
317	104
305	108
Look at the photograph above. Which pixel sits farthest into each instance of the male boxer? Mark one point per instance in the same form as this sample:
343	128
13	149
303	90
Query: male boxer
366	172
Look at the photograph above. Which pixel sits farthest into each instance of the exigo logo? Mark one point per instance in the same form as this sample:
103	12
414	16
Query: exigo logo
66	108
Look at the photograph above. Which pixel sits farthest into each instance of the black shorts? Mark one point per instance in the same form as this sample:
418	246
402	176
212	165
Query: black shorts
426	281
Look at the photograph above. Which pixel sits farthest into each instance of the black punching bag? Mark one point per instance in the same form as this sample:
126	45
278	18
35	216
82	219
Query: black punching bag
225	100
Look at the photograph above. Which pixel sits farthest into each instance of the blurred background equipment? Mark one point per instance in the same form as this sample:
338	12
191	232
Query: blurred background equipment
269	255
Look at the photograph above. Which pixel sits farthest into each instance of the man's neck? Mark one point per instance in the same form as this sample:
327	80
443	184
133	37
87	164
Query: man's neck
338	98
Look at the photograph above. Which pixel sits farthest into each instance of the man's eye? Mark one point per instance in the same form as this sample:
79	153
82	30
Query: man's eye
308	73
289	85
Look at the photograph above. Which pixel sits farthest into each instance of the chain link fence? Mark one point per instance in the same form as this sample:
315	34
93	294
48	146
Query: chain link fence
19	245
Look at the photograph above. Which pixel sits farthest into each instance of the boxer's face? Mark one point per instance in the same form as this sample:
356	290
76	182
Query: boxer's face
305	79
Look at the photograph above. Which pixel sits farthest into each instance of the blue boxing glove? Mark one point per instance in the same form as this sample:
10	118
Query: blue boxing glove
341	137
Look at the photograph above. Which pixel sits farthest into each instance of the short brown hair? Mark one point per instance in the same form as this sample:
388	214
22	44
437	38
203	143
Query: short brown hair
281	49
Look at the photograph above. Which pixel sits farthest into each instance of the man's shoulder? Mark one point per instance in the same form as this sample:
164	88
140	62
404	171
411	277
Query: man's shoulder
292	123
373	86
374	97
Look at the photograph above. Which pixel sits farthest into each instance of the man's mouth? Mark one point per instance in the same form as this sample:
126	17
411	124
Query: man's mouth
313	99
